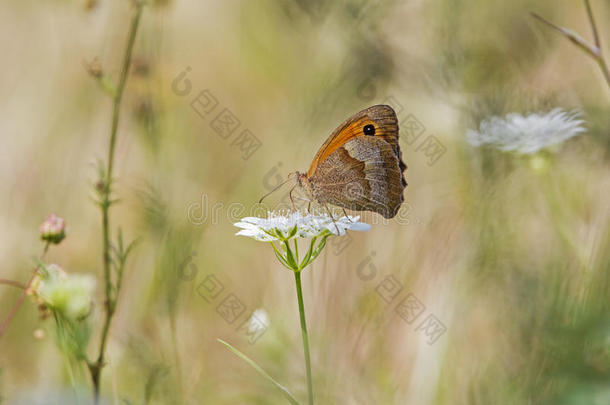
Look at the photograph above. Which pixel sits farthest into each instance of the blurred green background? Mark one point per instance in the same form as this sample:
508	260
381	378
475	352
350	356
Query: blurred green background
514	262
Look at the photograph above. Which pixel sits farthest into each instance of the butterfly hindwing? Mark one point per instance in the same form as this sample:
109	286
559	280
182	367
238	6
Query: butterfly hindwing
364	174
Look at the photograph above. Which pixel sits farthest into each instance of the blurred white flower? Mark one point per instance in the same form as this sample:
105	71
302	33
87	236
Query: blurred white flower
48	273
278	226
69	294
259	320
527	134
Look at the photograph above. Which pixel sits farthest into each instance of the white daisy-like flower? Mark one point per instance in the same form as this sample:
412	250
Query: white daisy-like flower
527	134
285	226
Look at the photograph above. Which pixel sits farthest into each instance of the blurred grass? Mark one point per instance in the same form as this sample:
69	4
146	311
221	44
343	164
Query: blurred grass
515	264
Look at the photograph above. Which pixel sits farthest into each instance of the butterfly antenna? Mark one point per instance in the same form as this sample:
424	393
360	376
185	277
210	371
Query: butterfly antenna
275	188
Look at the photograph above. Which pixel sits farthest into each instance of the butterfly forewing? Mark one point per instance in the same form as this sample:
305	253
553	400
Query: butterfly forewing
381	117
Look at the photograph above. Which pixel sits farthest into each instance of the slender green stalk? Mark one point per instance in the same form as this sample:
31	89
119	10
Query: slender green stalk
593	25
95	368
297	279
12	283
291	261
296	250
600	57
594	51
13	312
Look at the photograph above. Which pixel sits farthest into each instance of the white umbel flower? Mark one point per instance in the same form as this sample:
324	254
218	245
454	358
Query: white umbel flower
278	226
527	134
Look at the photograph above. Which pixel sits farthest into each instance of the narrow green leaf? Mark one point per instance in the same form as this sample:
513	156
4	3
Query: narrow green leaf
262	372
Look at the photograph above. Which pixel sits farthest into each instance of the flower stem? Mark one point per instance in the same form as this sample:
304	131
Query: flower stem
13	312
593	25
594	51
297	279
12	283
95	368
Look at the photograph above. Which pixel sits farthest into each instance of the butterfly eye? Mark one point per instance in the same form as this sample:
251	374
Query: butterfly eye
369	129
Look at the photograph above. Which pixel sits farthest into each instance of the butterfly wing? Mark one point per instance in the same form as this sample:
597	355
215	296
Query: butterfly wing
360	165
385	126
364	174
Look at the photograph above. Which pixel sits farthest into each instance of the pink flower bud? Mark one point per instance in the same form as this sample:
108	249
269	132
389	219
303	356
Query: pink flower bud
53	229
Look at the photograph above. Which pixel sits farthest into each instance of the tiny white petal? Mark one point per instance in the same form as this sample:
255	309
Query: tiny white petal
258	235
360	226
246	225
248	232
251	220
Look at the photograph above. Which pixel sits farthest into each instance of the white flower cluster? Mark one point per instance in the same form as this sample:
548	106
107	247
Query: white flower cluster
527	134
278	226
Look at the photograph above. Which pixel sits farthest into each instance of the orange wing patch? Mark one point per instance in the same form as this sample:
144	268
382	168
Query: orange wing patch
384	125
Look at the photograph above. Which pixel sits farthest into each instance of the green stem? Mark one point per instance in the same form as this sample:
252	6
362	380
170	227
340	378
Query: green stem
13	312
280	257
110	304
600	57
294	265
594	51
604	67
593	25
297	278
12	283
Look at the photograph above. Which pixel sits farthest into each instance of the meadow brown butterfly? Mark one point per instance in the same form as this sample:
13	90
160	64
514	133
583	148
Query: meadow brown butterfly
360	166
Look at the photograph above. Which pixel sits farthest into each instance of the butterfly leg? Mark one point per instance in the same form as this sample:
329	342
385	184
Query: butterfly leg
333	218
346	216
291	199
